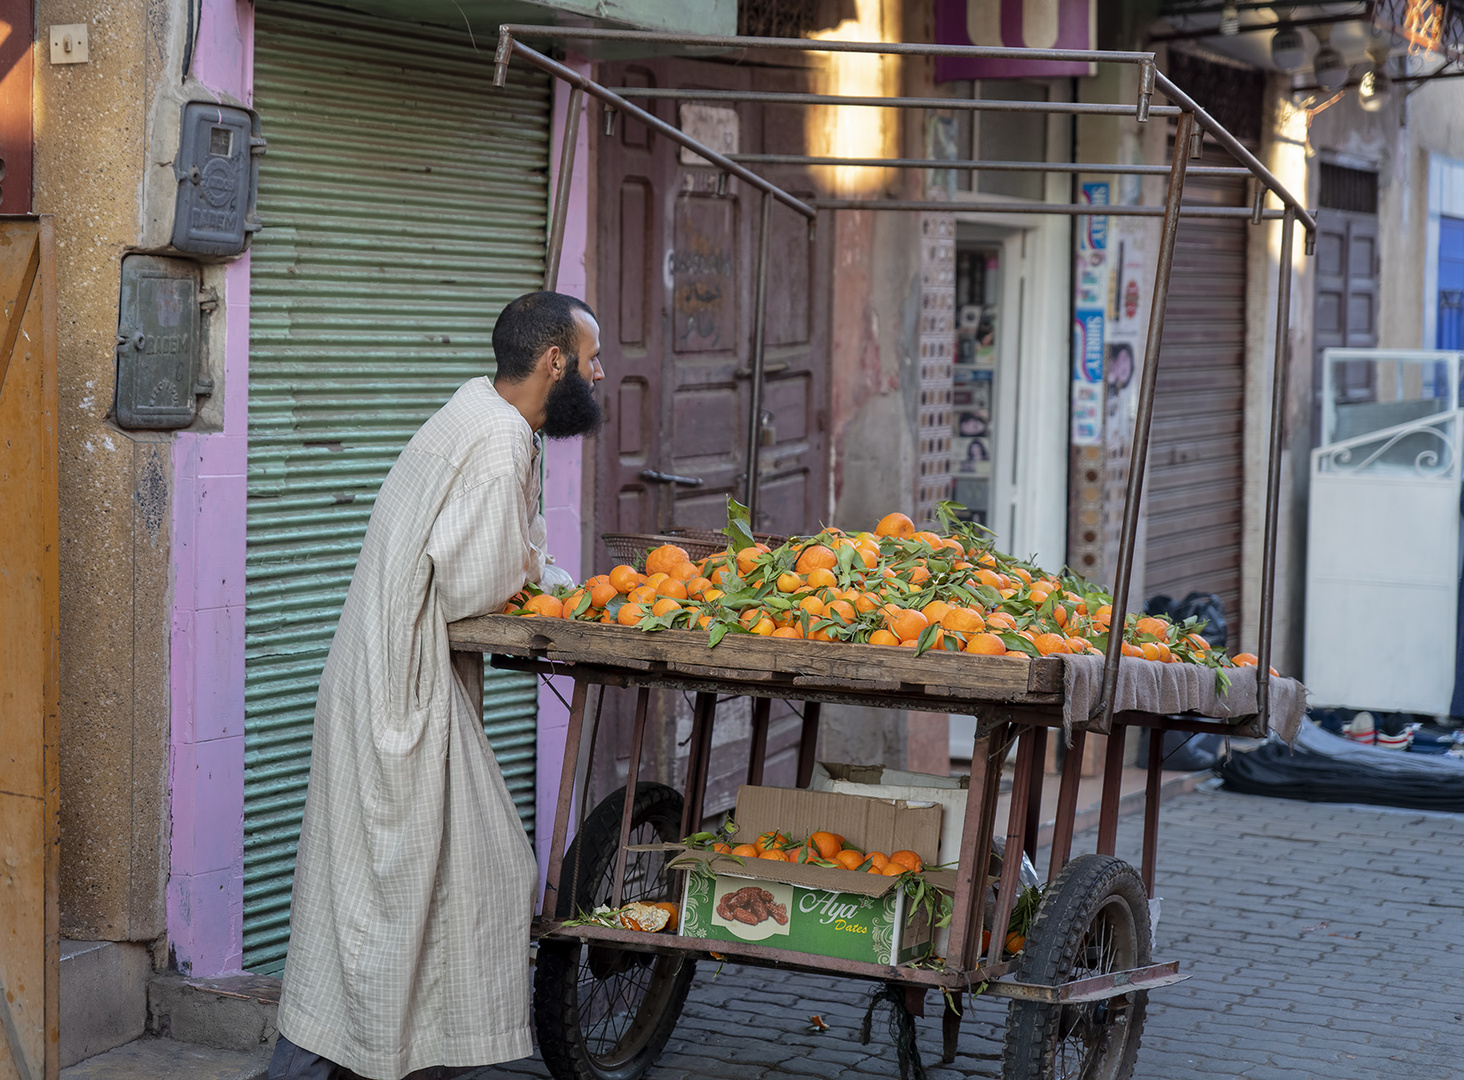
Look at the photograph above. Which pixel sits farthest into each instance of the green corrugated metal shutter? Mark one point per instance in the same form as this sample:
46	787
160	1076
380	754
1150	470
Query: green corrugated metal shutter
404	201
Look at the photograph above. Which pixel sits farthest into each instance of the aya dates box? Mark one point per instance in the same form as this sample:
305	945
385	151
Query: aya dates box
823	910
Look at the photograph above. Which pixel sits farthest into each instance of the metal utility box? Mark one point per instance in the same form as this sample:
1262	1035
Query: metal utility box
160	343
217	166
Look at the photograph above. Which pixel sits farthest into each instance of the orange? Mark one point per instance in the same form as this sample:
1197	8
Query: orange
545	605
642	594
1015	942
666	558
672	588
1245	659
918	575
866	601
897	525
745	851
748	556
797	854
770	839
1149	625
815	557
985	644
1132	650
712	594
991	577
883	637
764	627
908	859
1149	649
664	605
841	610
1039	596
654	580
879	860
789	582
786	632
1078	645
935	611
820	578
1047	644
1001	620
825	843
698	586
927	537
868	555
1060	615
1198	642
849	860
603	593
625	578
813	605
724	849
963	620
907	625
685	572
630	614
773	855
571	602
892	869
1019	572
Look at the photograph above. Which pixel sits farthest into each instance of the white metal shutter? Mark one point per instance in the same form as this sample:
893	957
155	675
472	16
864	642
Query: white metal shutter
404	202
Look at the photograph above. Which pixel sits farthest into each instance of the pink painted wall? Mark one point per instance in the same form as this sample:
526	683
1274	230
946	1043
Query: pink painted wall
206	883
564	504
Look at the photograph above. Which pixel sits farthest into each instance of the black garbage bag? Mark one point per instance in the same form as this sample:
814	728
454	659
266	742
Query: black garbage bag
1185	751
1207	607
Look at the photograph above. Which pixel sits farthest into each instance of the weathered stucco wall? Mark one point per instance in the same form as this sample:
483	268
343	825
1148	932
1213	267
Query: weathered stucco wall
114	486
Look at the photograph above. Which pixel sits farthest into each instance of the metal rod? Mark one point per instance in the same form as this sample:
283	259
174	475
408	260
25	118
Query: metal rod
1139	455
572	738
897	48
1112	790
1062	209
972	165
1258	206
1146	92
1011	862
561	188
1034	794
1067	805
876	101
1237	151
655	123
1152	787
698	757
758	755
755	396
808	743
632	778
1273	475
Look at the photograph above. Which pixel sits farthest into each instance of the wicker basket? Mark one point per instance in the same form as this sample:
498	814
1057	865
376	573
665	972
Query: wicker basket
632	548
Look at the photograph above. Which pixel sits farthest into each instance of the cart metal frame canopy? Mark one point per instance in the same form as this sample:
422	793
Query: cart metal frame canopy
1015	702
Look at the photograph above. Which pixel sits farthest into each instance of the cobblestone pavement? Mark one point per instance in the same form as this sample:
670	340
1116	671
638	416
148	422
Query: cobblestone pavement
1323	941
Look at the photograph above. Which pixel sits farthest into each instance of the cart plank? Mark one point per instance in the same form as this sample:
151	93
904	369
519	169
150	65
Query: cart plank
808	663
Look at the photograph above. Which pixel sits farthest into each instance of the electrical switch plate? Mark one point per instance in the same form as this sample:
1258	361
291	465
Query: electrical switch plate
68	44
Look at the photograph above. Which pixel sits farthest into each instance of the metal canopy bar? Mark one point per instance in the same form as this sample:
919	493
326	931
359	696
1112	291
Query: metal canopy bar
787	97
1068	209
507	47
964	164
1240	153
894	48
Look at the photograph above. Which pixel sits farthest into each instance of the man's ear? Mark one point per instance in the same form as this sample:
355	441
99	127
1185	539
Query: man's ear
554	358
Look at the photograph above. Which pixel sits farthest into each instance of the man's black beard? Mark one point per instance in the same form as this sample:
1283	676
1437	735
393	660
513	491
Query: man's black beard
572	409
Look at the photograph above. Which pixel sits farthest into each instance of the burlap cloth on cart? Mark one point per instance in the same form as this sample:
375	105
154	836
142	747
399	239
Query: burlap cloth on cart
1152	687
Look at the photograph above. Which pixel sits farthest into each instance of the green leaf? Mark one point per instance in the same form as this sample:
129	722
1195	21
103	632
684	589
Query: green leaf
718	632
613	607
581	606
739	526
1015	642
926	638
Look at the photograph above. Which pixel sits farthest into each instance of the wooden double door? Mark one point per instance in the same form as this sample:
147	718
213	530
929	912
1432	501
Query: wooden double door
676	285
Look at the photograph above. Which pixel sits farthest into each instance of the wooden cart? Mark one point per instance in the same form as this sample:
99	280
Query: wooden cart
606	1000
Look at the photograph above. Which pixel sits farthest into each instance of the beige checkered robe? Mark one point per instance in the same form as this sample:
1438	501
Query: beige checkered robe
415	882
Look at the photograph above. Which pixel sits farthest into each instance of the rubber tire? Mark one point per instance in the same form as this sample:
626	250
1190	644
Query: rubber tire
1083	888
562	1044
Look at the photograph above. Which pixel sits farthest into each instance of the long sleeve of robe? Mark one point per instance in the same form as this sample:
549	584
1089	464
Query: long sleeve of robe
414	881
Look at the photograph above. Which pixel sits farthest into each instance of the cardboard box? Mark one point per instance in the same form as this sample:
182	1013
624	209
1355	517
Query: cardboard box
823	910
878	782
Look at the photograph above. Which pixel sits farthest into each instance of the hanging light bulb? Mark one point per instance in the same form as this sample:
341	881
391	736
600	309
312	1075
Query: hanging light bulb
1374	90
1328	65
1288	52
1229	20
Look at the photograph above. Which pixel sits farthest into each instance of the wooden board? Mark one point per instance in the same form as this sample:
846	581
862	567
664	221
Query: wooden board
810	665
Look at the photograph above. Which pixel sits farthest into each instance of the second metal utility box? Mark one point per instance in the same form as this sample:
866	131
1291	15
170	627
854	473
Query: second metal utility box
217	167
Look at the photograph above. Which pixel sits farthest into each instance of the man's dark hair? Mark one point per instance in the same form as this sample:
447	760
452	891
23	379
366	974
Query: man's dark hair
529	325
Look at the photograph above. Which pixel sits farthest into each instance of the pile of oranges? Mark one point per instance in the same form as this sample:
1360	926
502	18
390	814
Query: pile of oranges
895	586
823	849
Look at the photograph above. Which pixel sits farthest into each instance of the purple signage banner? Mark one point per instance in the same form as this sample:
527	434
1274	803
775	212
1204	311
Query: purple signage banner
1018	24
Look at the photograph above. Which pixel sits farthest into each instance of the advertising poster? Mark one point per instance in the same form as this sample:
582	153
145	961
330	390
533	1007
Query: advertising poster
1090	315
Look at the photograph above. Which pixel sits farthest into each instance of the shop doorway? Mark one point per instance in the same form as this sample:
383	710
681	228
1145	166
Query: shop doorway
973	396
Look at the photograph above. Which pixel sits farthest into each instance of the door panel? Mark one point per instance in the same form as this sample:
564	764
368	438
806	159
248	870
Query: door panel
29	650
676	278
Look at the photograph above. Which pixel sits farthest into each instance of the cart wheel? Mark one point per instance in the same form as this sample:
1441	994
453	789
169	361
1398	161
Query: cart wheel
603	1013
1094	919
